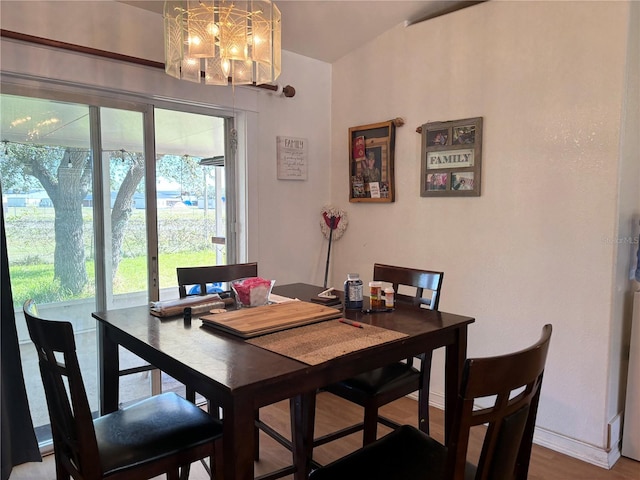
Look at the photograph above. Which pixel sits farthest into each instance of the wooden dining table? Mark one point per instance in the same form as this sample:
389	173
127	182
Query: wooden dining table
241	377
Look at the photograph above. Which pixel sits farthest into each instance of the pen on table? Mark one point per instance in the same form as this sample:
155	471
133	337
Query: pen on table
353	324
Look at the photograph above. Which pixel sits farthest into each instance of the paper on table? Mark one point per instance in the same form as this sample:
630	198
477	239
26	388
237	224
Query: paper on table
185	302
198	304
273	298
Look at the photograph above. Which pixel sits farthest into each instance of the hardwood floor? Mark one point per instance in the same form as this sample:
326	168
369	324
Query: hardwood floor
334	413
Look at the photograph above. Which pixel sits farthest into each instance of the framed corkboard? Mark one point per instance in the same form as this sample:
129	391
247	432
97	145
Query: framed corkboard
451	160
371	159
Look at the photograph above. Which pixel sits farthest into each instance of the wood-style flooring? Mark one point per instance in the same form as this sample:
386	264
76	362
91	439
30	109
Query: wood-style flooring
334	413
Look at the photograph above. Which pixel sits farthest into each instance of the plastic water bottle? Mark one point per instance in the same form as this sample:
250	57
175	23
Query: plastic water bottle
353	292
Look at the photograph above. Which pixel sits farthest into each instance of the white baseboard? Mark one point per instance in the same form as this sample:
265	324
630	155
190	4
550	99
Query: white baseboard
575	448
598	456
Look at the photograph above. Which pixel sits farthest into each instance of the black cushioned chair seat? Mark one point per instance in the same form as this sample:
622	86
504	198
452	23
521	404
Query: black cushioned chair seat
380	380
153	428
404	454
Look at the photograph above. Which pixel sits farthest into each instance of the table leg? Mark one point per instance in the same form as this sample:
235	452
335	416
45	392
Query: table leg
108	370
456	354
238	440
423	395
303	413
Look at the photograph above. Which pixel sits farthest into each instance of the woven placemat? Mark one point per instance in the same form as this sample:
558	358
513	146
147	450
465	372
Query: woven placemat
317	343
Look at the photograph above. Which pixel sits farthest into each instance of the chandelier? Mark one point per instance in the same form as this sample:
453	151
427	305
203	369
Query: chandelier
237	41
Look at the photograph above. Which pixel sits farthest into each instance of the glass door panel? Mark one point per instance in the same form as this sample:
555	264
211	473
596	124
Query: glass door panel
191	194
125	229
46	175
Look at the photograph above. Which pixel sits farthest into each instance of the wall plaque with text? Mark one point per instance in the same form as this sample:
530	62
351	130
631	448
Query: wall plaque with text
292	158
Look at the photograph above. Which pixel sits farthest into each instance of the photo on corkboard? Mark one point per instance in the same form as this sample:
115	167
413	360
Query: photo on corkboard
371	176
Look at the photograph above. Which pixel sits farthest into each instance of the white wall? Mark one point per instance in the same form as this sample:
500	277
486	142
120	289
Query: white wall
536	246
291	244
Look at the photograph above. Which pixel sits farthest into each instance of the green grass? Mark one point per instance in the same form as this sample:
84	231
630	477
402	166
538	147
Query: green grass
31	262
37	282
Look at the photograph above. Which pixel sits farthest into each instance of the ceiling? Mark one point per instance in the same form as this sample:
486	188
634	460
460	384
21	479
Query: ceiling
329	29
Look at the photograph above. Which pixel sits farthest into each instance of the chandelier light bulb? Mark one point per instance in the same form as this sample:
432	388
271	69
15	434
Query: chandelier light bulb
226	67
213	29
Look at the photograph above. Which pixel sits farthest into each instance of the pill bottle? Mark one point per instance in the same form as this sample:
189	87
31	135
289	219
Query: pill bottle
353	292
375	295
388	297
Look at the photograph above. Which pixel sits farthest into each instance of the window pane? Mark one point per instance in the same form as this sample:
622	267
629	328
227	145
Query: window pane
125	218
191	194
46	175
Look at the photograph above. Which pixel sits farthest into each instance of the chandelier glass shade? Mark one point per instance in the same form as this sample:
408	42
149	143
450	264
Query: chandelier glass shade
237	41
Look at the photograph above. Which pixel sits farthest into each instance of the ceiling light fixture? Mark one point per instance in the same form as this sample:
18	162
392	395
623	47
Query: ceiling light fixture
230	41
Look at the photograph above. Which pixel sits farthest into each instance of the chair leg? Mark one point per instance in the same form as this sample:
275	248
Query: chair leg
173	475
423	393
302	409
215	462
256	437
370	431
61	472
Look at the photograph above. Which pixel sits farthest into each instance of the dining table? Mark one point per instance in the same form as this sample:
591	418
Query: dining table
241	377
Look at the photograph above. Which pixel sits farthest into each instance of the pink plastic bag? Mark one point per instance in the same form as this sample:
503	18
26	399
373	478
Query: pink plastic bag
252	291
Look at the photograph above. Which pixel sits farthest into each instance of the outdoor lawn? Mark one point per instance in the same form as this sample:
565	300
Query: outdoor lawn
184	240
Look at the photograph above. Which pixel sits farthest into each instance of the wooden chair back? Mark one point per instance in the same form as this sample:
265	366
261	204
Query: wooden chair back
498	396
69	412
421	280
512	382
160	434
211	274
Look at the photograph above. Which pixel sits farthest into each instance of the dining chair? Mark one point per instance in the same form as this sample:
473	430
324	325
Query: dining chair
161	434
378	387
207	275
204	276
507	390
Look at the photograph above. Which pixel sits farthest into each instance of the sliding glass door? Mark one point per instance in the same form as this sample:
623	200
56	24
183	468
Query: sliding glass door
84	230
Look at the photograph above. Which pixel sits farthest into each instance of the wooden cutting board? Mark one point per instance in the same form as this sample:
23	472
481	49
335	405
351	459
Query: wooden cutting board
252	322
